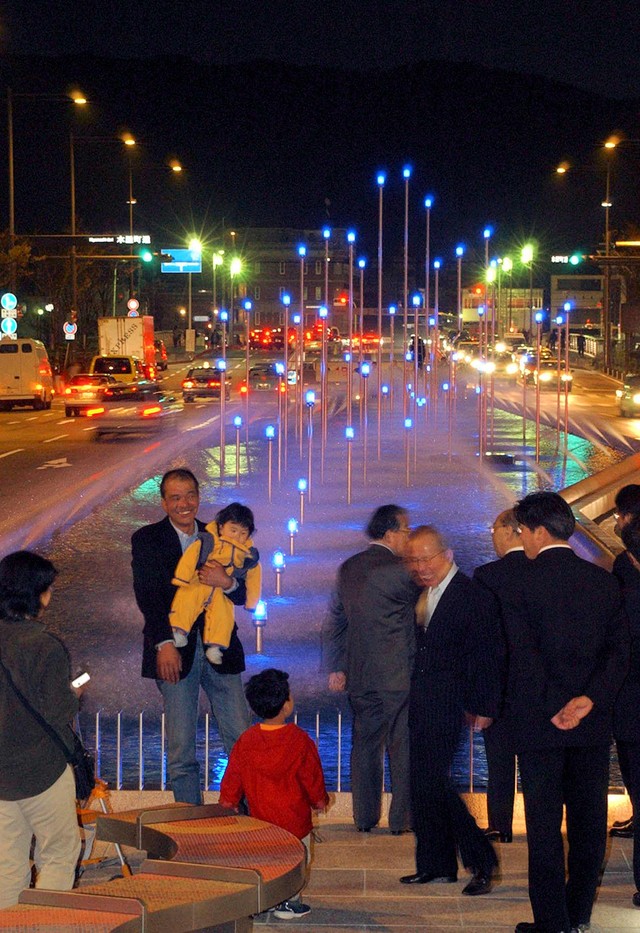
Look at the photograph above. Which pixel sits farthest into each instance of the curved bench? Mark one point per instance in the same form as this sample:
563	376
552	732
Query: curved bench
207	867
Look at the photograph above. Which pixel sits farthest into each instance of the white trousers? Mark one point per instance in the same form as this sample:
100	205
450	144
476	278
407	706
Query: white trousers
50	817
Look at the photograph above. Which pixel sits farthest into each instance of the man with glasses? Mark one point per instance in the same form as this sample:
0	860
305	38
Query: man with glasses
568	655
368	645
456	676
503	578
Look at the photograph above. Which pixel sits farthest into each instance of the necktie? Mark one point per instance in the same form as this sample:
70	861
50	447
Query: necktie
421	608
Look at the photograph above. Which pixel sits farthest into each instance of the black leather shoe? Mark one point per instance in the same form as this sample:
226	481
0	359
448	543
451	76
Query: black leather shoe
364	829
635	900
623	824
621	833
423	877
526	927
400	832
481	883
496	836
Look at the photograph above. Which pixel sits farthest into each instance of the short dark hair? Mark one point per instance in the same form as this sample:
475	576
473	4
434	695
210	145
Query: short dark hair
24	577
179	473
385	518
547	510
630	535
628	499
267	692
238	513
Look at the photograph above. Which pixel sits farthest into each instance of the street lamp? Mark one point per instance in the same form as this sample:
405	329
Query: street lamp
221	366
538	319
269	433
302	488
365	371
286	301
351	238
507	266
381	179
278	563
361	265
406	174
302	253
223	317
459	255
237	423
77	99
349	434
435	334
292	528
310	401
248	305
428	204
235	268
526	257
195	248
216	260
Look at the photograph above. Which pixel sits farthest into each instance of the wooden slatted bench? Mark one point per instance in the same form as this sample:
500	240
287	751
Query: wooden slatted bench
208	868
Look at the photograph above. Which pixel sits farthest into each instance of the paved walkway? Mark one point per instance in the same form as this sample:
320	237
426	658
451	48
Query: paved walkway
354	886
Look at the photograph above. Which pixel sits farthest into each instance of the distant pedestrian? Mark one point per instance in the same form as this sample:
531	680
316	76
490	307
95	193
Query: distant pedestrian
276	767
581	344
553	339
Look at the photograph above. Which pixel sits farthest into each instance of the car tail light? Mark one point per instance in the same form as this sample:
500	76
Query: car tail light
93	412
67	391
152	410
213	384
243	390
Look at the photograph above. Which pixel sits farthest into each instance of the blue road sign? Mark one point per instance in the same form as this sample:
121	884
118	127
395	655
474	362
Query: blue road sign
8	326
180	260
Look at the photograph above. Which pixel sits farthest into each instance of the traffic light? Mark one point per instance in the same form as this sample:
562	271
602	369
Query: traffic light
575	259
146	255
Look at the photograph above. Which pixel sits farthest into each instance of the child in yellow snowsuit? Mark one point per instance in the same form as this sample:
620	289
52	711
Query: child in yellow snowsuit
226	540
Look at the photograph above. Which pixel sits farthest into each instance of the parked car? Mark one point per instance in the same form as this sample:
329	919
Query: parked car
204	382
629	396
134	408
263	377
84	391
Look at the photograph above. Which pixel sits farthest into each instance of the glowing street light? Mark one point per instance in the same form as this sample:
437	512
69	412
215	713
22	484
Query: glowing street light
237	423
351	238
538	319
381	179
310	401
349	434
247	305
221	366
302	488
278	563
259	621
302	253
269	432
365	372
459	255
292	528
406	174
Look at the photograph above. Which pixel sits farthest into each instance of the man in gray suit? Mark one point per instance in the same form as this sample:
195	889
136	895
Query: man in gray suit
368	645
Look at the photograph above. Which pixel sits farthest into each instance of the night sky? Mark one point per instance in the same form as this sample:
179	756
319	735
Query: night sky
592	45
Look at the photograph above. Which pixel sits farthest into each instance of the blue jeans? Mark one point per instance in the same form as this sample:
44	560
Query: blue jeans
228	705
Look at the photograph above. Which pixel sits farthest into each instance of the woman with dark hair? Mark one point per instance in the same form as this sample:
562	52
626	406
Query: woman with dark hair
37	786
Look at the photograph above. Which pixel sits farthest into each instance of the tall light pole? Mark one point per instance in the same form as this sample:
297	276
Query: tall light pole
248	305
526	258
507	266
361	266
406	174
130	142
351	238
459	255
78	99
216	260
235	268
610	145
380	180
302	253
392	319
286	301
538	320
435	339
428	204
195	248
322	314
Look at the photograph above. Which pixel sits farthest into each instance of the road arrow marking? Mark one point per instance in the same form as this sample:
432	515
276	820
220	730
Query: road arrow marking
54	464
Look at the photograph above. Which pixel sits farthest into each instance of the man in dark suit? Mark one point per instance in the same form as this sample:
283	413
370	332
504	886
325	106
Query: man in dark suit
456	675
568	655
180	672
368	644
503	578
626	717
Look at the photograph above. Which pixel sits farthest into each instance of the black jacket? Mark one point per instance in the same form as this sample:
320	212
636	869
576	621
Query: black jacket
457	665
626	714
369	630
155	553
571	639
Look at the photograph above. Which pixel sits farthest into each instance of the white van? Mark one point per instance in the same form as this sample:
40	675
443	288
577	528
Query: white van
25	374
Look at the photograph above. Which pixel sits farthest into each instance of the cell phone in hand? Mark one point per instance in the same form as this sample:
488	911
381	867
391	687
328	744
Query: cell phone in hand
80	680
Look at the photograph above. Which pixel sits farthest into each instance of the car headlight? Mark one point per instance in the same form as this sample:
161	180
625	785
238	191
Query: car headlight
619	393
512	369
545	377
636	398
566	377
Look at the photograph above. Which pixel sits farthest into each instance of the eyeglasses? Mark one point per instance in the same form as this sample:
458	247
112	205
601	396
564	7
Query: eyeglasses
426	560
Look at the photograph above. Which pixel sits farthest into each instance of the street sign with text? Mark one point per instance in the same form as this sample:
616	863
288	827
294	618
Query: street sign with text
180	260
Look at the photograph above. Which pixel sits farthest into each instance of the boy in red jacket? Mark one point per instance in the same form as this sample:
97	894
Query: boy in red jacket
276	767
